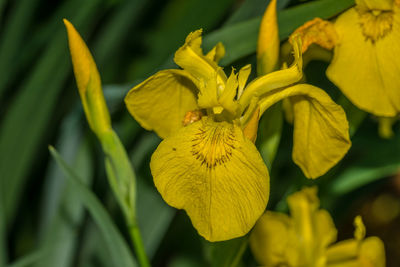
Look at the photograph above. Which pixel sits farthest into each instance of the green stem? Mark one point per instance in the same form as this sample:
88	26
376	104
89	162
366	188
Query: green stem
137	242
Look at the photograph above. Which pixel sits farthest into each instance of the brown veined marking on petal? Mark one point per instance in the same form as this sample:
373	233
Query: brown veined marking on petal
316	31
375	24
192	116
213	145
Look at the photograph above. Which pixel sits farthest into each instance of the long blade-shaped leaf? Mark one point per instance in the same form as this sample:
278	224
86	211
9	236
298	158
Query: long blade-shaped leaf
29	115
118	248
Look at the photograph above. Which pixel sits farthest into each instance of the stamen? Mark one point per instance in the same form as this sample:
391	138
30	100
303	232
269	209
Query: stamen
192	116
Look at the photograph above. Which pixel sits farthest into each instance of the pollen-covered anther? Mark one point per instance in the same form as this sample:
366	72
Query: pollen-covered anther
213	144
317	31
375	24
192	116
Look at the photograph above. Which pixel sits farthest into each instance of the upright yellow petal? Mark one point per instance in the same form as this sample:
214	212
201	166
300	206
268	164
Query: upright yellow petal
321	131
364	65
268	41
274	80
269	240
217	53
372	253
208	76
88	82
216	175
303	208
161	102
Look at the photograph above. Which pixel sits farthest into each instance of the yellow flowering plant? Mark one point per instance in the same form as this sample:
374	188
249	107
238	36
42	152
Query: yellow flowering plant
194	164
364	41
307	236
207	163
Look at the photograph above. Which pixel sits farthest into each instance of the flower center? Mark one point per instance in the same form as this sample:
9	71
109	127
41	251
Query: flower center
375	24
214	143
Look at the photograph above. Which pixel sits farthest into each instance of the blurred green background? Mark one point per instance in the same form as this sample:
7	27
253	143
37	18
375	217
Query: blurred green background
43	219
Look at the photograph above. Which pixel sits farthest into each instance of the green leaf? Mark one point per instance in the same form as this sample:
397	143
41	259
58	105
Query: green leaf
240	39
270	129
28	260
153	222
63	212
370	159
227	253
178	18
3	237
13	36
117	246
25	127
355	116
252	8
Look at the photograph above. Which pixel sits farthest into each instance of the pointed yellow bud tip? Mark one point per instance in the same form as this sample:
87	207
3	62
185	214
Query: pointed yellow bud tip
317	31
88	81
268	41
81	58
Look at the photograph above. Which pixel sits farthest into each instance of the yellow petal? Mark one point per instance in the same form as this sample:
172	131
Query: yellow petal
161	102
208	76
227	97
372	253
375	4
244	73
268	41
365	71
216	175
321	134
216	53
269	240
388	63
314	227
351	253
326	230
88	82
303	207
277	79
344	252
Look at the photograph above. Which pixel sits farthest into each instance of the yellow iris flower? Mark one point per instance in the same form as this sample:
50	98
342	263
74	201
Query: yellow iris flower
306	238
206	164
364	66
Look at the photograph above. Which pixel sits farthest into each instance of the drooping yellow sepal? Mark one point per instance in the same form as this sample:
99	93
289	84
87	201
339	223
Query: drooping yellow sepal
268	41
161	102
213	172
88	82
207	75
321	131
364	66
